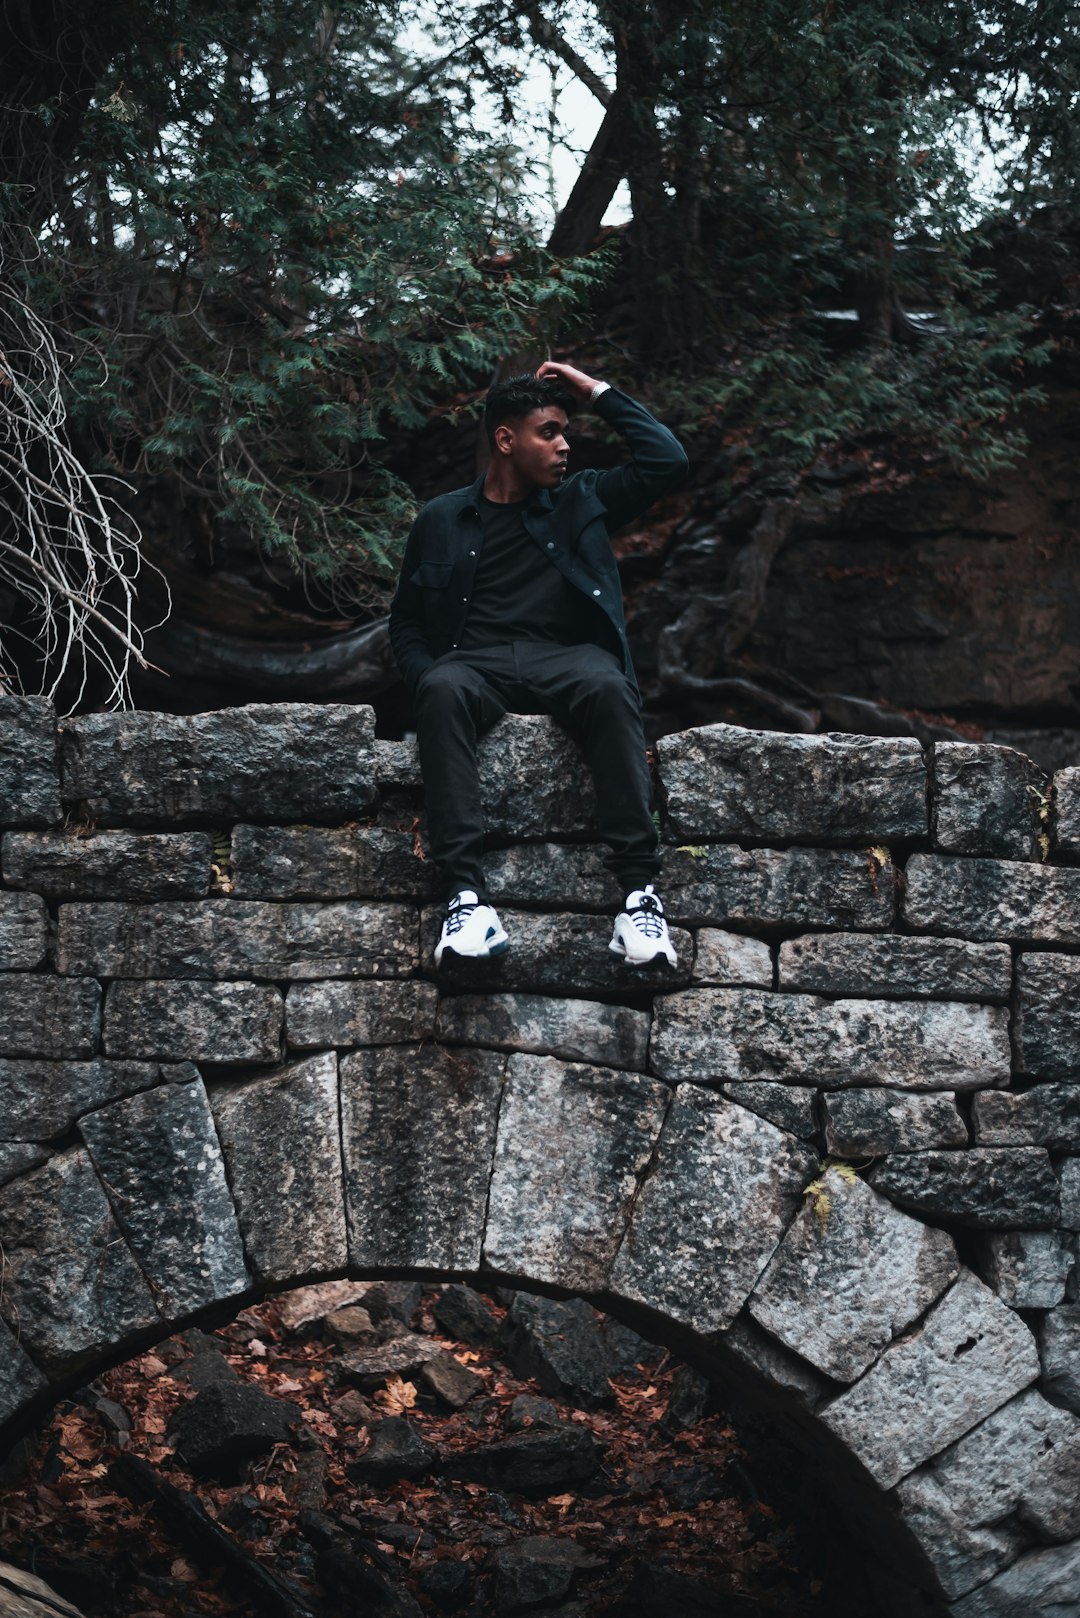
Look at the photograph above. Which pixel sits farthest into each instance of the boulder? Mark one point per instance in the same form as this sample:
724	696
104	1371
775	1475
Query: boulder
228	1424
396	1451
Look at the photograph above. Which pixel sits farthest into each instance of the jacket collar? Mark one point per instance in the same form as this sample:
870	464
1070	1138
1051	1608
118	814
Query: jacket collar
540	499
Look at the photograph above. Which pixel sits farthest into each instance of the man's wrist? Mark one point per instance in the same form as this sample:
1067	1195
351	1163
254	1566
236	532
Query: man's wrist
596	390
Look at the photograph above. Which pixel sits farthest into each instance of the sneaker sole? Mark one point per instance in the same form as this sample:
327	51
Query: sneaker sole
659	959
479	955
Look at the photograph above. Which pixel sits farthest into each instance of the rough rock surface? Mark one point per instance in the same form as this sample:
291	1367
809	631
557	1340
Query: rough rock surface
41	1099
722	1188
418	1130
159	1157
888	964
1028	1269
1059	1349
1066	819
784	1105
268	761
574	1030
968	1357
985	800
228	1424
553	954
725	959
347	1012
725	885
554	875
80	864
1022	1462
1046	1027
1042	1582
850	1275
573	1142
22	931
724	1035
320	862
71	1287
987	1186
29	778
871	1123
20	1378
396	1451
223	938
177	1021
281	1139
1048	1115
542	1460
532	778
722	781
47	1016
992	899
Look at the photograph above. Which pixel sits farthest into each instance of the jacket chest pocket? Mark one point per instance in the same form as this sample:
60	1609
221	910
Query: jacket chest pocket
432	575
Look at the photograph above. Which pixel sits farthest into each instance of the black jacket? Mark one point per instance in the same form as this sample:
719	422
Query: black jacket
571	523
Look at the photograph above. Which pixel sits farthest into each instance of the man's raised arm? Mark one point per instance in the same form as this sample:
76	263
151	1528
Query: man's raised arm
659	464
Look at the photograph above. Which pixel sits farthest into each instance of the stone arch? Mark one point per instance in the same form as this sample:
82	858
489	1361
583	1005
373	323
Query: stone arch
279	1090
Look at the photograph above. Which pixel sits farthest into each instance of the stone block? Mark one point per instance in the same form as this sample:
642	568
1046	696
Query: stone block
1048	1115
574	1030
317	862
722	885
785	1105
47	1016
29	775
39	1100
108	864
573	1142
1028	1268
564	876
1042	1582
987	1187
397	766
1066	814
176	1021
722	781
20	1378
1059	1350
992	899
554	955
348	1012
850	1275
1021	1466
871	1123
418	1129
158	1156
281	1137
968	1357
754	1350
23	924
985	800
71	1287
727	1035
18	1157
723	1187
533	780
895	965
265	762
728	959
237	938
1069	1176
1046	1025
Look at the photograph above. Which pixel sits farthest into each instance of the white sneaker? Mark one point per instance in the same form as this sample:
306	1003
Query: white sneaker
641	933
470	928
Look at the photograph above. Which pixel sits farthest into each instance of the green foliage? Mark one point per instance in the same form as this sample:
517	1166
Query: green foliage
288	238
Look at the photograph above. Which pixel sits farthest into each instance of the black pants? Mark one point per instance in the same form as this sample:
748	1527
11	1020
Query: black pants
463	694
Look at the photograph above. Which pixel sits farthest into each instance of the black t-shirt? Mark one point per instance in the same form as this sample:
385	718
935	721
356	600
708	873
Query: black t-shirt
518	594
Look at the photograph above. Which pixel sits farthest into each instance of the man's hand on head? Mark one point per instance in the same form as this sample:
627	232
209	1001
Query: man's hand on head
576	382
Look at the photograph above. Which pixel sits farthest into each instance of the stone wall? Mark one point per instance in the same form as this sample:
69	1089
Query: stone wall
836	1153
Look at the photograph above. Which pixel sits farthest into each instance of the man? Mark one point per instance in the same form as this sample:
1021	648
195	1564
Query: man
510	600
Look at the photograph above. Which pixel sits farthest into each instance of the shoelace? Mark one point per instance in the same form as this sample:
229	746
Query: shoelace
457	915
648	917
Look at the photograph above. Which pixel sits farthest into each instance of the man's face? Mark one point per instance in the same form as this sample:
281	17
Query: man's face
537	445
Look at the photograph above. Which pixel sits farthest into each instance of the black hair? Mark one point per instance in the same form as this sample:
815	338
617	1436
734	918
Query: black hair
515	396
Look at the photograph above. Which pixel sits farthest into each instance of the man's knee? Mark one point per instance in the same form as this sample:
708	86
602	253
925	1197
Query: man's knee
447	685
